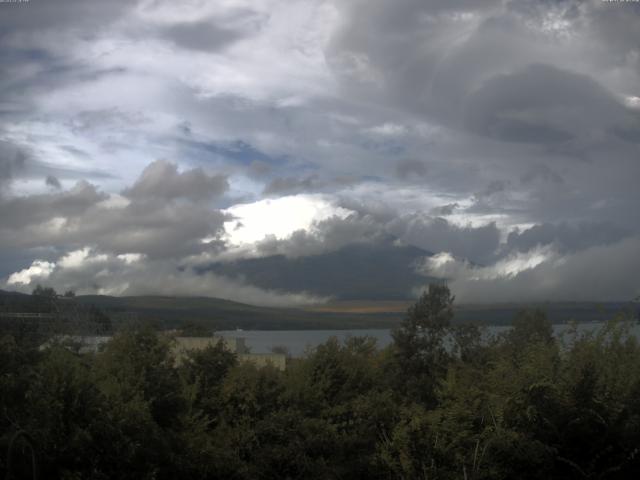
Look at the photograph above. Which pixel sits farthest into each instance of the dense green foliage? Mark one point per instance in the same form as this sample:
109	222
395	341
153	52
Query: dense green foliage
33	319
441	402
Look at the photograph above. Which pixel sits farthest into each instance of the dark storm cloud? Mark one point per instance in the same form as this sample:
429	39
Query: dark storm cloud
12	161
326	236
542	104
202	35
606	273
157	230
478	244
444	210
36	210
106	274
411	169
330	257
34	70
566	237
541	172
619	28
213	33
431	234
35	60
525	91
86	16
496	186
361	271
53	182
154	222
463	84
162	181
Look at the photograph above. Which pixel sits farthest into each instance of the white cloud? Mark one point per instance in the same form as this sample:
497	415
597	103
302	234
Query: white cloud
129	258
279	217
601	273
74	259
79	258
445	265
632	101
89	272
39	270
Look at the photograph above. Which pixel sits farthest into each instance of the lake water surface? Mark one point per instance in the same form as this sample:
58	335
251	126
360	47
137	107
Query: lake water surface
298	342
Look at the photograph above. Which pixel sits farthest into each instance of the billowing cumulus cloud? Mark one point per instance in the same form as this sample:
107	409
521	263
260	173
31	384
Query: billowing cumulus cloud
325	235
38	270
508	74
431	234
490	130
89	272
153	221
606	273
139	242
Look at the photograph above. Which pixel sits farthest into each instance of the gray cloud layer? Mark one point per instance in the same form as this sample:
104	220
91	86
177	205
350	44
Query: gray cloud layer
152	222
605	273
162	181
482	128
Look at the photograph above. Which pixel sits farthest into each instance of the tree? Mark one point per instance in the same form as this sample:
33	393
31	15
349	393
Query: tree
136	374
46	292
100	322
195	329
421	354
65	416
203	372
531	326
140	363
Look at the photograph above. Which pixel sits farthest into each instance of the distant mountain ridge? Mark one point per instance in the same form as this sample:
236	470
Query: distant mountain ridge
220	314
355	272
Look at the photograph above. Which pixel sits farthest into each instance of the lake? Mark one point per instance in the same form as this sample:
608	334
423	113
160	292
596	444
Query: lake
299	341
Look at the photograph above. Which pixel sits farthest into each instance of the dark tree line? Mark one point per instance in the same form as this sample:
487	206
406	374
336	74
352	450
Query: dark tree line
51	314
441	402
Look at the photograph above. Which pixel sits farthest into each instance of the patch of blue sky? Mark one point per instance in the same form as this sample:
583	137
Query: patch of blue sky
237	152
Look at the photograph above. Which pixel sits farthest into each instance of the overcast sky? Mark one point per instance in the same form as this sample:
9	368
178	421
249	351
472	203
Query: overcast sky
142	139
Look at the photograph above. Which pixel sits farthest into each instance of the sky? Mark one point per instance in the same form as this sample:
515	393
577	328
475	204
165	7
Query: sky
142	140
